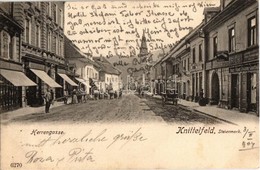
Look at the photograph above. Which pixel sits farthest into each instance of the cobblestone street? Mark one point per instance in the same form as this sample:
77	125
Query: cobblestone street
128	109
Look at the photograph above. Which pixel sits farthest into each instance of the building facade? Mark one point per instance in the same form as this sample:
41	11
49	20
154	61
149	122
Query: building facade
195	63
232	64
81	64
109	76
218	60
42	46
12	79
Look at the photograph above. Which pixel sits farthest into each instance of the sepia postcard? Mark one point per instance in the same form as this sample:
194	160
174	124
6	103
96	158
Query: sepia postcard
129	84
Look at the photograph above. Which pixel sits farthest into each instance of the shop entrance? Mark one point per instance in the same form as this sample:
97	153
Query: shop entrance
251	92
215	89
234	91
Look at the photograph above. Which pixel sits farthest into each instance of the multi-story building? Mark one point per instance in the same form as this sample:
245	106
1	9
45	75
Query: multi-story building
157	81
231	57
81	64
42	50
12	79
108	75
195	62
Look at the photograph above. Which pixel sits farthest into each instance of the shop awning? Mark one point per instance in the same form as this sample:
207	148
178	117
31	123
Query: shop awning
67	79
82	81
45	77
17	78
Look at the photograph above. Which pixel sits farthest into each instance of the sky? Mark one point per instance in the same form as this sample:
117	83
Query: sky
115	28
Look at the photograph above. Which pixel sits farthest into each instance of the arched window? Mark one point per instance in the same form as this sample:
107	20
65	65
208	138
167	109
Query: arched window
5	44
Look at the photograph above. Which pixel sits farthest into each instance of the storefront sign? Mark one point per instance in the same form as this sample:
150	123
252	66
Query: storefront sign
244	68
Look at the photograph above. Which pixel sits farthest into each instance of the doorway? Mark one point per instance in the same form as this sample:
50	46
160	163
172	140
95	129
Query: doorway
251	91
234	91
215	89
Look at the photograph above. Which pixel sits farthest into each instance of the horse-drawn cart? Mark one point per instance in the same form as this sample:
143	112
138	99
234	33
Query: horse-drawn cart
169	95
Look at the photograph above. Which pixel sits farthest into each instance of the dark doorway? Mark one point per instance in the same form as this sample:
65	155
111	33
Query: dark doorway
215	89
251	92
234	91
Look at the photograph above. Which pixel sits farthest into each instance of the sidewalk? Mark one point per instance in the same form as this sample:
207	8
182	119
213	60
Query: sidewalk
229	116
25	111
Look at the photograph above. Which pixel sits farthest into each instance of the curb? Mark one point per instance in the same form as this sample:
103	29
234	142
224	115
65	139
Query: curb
215	117
209	115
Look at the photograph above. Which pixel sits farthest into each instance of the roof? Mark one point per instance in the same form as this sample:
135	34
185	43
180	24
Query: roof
73	52
106	66
183	40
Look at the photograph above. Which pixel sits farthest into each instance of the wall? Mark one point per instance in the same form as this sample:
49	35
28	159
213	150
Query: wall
240	24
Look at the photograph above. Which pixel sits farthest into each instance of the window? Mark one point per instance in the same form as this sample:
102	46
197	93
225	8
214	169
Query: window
38	5
38	36
200	52
28	30
49	9
215	45
184	65
61	18
58	46
193	55
61	47
55	16
200	81
231	43
188	64
55	44
252	38
49	40
5	45
184	88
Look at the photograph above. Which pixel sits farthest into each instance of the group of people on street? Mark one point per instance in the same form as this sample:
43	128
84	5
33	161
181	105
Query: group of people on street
78	96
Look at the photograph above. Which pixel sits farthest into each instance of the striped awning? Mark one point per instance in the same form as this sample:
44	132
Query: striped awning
67	79
17	78
82	81
45	77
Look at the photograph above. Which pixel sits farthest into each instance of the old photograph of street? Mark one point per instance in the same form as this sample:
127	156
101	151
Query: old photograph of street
124	70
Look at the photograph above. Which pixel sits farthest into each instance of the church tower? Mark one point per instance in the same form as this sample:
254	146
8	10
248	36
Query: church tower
143	49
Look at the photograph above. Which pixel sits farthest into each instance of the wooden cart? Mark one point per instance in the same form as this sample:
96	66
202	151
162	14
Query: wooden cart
169	95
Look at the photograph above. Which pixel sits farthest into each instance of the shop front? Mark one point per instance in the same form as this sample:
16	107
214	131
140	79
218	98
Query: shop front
11	89
244	87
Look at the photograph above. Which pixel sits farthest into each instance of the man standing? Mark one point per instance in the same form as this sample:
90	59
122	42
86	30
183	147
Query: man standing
47	97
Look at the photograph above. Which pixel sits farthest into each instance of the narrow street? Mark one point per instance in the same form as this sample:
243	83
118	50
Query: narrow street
128	109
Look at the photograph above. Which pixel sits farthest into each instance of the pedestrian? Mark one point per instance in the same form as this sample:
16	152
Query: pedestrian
115	94
47	97
120	93
83	93
52	97
74	97
66	94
